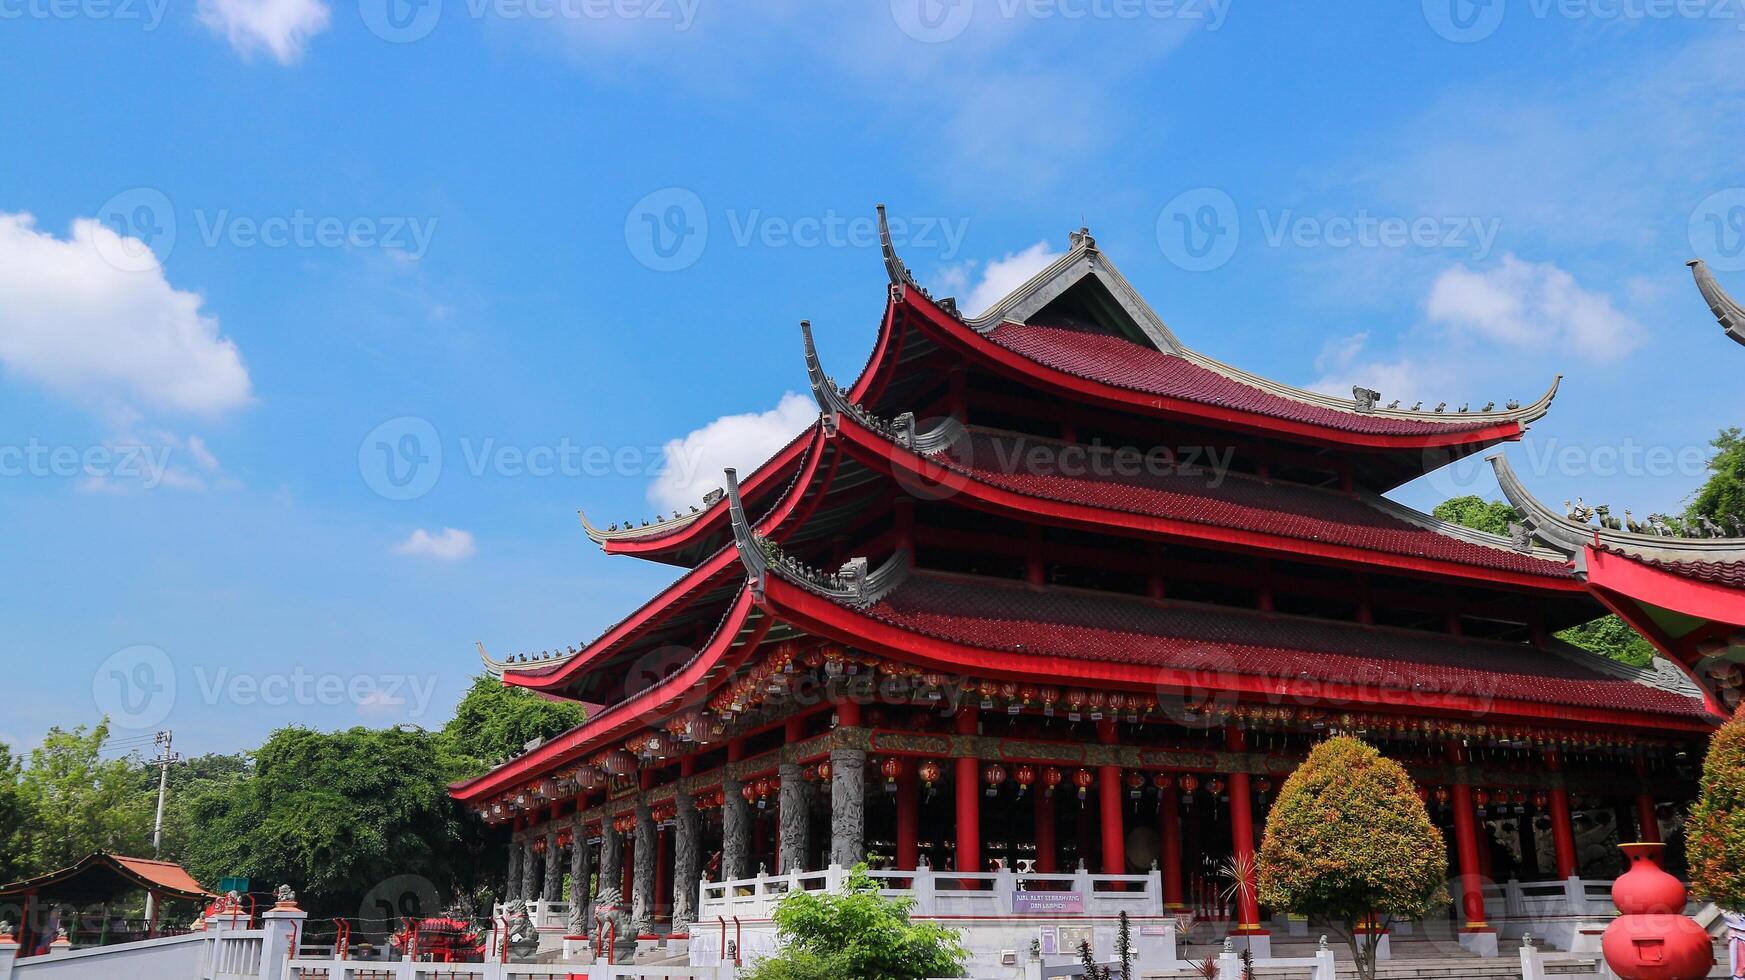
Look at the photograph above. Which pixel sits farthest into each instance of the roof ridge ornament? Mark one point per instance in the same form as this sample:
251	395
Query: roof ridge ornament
1727	310
1571	533
894	267
853	583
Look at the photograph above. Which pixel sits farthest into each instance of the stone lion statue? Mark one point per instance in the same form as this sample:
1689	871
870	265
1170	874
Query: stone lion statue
612	916
523	938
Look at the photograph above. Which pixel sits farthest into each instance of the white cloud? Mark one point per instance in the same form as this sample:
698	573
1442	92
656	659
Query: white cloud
1001	276
1532	305
106	336
693	464
449	544
281	27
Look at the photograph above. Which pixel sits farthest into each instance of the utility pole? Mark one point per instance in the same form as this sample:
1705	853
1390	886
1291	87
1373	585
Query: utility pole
165	757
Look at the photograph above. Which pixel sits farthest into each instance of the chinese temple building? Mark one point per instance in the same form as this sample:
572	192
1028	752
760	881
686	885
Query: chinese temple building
1051	601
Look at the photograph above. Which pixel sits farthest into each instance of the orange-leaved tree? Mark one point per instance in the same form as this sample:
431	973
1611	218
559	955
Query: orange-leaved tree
1348	842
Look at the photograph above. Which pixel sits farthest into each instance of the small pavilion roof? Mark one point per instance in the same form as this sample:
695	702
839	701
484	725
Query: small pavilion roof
101	876
1726	309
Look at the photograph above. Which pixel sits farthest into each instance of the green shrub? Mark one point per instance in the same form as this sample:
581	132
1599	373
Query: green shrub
858	933
1715	837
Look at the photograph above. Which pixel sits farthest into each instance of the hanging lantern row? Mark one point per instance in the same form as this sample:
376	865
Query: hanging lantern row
1483	799
624	823
539	845
565	837
710	799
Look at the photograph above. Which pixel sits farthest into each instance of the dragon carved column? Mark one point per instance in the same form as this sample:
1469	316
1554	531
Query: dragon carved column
530	866
795	821
847	807
512	882
687	862
642	886
735	832
552	888
611	856
580	894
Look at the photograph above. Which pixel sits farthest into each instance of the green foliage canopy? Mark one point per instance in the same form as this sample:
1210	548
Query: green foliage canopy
1477	513
858	933
1348	839
1723	495
1715	836
494	721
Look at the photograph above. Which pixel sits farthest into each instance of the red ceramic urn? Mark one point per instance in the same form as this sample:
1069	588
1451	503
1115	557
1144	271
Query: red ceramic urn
1651	939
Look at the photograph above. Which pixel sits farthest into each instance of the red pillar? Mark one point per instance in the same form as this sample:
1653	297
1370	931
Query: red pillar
629	858
1170	835
1047	861
1109	807
969	800
909	817
1562	829
1646	820
1242	839
1466	846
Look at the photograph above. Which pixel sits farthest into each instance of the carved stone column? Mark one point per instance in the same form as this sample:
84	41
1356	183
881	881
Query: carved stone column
735	833
581	896
847	807
530	866
687	861
647	854
553	886
611	857
796	826
512	882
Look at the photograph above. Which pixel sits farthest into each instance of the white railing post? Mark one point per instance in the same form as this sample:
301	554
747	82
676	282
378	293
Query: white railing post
1325	967
1532	967
282	926
833	878
1575	895
1005	886
922	883
1154	891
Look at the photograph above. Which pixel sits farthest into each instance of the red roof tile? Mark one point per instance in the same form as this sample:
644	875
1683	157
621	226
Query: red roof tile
998	616
1728	573
1038	468
1122	363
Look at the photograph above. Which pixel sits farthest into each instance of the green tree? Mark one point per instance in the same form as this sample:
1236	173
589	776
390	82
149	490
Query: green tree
1715	836
858	933
1348	841
1477	513
494	721
1611	637
1722	497
337	814
80	802
14	818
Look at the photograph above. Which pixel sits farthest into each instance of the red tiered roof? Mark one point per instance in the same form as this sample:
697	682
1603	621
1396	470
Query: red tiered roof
1229	500
1120	362
998	616
1727	573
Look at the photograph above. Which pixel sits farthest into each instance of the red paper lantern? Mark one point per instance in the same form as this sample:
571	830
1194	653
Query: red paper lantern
1083	779
748	791
1215	786
824	771
1051	778
995	776
1023	776
929	772
1481	798
891	768
1540	799
1135	784
1442	795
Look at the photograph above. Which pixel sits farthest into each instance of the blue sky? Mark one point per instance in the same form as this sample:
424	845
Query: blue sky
536	234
